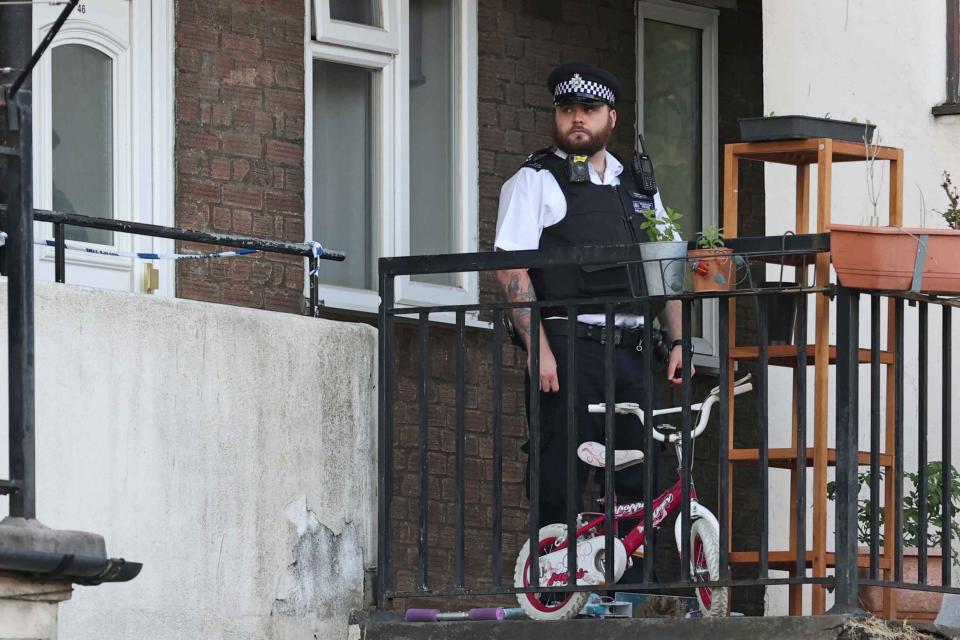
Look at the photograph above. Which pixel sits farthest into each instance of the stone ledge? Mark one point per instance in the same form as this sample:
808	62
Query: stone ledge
782	628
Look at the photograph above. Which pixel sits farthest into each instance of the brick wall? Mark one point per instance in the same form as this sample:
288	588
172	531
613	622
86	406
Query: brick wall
239	144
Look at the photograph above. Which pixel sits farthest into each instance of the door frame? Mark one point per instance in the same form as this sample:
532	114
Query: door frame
706	20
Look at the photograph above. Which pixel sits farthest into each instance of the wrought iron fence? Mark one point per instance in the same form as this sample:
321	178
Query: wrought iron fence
926	516
798	250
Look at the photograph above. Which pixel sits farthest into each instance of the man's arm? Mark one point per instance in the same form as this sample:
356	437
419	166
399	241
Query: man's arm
672	318
517	287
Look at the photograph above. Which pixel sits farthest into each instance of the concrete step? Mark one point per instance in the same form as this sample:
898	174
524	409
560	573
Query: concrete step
780	628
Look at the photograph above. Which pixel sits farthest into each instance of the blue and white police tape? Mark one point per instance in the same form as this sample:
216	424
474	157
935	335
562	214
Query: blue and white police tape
145	255
317	250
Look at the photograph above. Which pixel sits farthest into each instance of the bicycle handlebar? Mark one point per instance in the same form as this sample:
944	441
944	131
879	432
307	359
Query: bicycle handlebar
742	385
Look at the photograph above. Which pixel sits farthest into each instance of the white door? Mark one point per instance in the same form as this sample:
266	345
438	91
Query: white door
102	136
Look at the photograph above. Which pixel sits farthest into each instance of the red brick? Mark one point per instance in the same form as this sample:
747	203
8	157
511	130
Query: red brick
279	201
195	37
242	196
242	144
245	47
220	168
198	190
285	153
221	219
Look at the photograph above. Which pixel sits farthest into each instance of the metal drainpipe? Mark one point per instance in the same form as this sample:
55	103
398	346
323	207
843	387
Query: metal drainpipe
16	30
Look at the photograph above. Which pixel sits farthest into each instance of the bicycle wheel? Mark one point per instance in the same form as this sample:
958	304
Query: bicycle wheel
546	606
705	567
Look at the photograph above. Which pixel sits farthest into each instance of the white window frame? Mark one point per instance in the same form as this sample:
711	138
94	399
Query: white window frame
385	39
706	20
391	172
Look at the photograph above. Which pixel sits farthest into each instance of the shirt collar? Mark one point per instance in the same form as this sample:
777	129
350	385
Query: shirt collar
613	167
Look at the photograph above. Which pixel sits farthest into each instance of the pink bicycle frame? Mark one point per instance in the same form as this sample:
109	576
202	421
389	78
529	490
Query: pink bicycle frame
665	505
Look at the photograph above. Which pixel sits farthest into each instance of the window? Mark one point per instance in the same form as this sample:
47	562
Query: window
82	136
951	105
677	114
391	151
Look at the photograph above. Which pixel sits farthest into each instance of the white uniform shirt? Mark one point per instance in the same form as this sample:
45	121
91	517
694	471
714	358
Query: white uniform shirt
531	200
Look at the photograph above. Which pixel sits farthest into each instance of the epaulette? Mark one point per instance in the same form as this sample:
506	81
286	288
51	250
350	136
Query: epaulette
535	159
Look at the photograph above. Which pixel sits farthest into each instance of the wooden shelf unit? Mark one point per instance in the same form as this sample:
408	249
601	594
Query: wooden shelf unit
822	152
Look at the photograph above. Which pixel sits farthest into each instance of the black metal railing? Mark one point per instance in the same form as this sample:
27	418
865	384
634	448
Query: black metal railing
790	250
924	517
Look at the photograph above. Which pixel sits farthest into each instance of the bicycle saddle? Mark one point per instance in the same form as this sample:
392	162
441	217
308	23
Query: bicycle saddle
595	455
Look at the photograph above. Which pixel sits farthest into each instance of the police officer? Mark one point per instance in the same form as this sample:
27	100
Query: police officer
577	193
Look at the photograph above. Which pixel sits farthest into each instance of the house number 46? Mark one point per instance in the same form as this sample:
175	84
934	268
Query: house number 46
81	8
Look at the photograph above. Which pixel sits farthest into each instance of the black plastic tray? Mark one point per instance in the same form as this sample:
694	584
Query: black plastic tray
802	128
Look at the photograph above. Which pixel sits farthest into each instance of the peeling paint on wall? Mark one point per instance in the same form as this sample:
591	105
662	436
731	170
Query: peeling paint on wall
325	578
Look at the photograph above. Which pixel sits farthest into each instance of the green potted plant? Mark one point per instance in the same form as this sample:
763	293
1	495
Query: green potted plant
663	256
712	264
884	258
917	605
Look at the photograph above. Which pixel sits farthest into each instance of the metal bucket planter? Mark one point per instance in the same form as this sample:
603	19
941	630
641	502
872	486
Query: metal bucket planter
664	266
895	259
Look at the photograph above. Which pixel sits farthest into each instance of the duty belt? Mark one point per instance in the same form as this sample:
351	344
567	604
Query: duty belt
622	337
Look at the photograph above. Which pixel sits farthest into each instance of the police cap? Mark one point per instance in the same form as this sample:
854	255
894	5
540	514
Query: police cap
584	83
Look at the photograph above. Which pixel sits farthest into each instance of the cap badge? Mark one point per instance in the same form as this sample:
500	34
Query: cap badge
576	82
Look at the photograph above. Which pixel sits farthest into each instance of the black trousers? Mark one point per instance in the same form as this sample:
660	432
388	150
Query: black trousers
590	388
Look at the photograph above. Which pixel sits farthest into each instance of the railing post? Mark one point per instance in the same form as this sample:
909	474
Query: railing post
385	435
59	252
20	313
848	325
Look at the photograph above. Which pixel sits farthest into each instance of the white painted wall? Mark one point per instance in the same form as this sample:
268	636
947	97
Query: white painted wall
232	451
882	60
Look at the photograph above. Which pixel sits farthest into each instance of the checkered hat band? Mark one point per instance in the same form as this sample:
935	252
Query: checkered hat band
602	91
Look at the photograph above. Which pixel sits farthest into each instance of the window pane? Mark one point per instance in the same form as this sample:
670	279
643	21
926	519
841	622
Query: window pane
82	103
368	12
672	120
342	152
433	187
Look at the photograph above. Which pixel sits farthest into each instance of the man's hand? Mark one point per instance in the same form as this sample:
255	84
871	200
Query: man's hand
672	318
518	288
675	364
548	367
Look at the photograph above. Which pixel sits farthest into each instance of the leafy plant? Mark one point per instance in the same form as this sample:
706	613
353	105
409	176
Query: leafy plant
952	214
710	238
661	229
911	509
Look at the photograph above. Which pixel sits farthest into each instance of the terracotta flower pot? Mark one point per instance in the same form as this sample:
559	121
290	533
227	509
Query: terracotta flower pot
713	269
911	604
883	258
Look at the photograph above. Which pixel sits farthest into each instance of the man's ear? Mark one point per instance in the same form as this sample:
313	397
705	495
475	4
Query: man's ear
613	118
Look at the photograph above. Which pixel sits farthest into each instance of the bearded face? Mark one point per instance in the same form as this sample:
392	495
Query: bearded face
583	129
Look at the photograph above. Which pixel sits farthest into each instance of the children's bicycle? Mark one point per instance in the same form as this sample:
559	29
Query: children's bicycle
590	534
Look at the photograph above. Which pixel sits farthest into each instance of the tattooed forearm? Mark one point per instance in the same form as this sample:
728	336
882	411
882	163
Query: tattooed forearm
517	287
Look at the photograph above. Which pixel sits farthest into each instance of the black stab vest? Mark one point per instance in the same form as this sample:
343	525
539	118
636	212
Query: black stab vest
597	215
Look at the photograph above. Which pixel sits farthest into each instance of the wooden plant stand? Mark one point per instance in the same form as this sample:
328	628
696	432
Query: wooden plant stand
802	154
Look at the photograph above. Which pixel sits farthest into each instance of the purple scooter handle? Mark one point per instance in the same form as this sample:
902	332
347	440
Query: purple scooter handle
435	615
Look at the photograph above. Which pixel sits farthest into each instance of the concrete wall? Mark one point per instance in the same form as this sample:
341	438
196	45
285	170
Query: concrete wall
881	60
232	451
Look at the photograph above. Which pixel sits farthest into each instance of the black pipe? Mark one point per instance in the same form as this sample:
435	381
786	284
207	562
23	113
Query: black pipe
47	39
16	38
18	186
